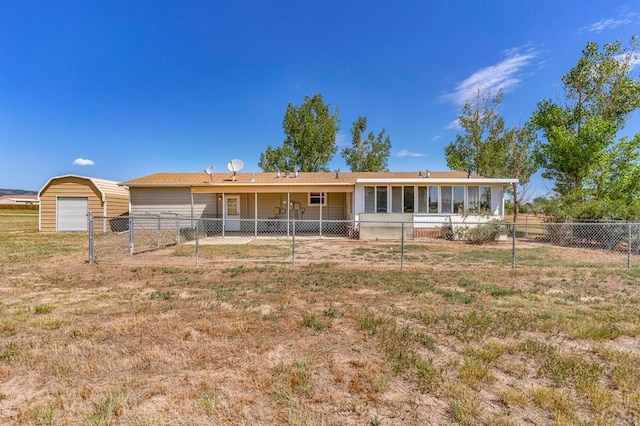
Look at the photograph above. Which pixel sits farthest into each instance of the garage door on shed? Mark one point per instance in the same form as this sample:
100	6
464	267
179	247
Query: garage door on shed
72	213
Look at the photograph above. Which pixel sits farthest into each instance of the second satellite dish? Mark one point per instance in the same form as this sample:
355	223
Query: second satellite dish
235	165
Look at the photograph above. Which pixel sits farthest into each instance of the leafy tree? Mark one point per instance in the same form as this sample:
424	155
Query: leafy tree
580	134
521	162
370	154
482	147
310	141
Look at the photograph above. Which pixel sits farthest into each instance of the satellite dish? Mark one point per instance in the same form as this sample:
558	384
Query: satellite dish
209	171
235	166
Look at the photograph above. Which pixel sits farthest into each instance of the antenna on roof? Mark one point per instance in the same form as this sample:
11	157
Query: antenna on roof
209	171
235	166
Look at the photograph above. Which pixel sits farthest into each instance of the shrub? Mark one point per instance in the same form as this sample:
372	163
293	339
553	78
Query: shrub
482	234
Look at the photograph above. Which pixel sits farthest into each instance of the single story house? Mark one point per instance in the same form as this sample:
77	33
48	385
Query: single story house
420	197
66	200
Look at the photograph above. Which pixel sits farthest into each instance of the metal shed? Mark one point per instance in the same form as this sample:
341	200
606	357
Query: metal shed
66	200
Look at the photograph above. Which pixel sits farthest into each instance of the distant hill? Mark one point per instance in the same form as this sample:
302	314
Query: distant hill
16	192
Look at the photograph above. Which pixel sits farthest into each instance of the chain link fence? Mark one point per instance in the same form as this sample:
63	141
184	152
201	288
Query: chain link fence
443	244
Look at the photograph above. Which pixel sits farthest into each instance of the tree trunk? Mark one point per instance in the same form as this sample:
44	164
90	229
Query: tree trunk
516	202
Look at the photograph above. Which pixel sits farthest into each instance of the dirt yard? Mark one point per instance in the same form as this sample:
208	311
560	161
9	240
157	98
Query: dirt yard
322	343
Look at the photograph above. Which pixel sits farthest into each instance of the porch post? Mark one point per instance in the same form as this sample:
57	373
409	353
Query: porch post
288	211
255	213
224	212
323	199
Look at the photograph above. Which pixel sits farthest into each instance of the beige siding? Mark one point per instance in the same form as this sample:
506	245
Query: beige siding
117	205
66	187
161	201
116	198
205	205
335	208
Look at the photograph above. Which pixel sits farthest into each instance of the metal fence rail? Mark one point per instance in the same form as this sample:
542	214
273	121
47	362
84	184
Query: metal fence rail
443	244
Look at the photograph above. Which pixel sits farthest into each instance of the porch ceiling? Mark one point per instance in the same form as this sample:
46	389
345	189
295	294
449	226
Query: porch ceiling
260	189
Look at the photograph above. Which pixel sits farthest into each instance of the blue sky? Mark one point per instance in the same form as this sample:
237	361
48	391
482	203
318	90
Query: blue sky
129	88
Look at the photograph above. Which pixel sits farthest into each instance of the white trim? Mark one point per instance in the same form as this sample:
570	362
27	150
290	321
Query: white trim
432	181
97	182
323	196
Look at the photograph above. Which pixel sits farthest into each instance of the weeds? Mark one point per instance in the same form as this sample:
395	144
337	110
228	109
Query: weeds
487	345
310	321
11	352
44	309
162	295
106	410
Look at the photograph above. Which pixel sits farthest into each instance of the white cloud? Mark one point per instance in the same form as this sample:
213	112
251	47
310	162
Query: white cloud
624	18
407	153
504	75
632	59
83	162
607	24
455	124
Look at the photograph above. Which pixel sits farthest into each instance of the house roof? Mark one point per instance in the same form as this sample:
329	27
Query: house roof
303	178
104	186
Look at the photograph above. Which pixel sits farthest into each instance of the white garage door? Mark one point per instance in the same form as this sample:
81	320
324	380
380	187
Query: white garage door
72	213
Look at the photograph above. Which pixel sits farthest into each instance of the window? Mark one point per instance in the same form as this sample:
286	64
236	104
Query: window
433	199
473	199
369	199
445	192
317	199
407	206
381	199
428	199
423	199
396	199
479	199
485	198
375	199
402	199
458	199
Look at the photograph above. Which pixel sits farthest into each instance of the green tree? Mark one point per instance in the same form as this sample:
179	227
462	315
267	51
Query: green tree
521	162
482	148
370	154
310	138
580	132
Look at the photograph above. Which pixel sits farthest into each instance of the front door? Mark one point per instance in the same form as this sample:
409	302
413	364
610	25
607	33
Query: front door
232	213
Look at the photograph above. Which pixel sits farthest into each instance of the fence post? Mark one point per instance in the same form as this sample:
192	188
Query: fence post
197	240
131	248
91	255
177	229
628	245
159	233
402	246
293	244
513	246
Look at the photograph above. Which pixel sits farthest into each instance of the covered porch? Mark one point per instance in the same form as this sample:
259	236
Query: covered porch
248	210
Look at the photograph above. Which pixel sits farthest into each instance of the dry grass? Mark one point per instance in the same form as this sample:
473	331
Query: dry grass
310	345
